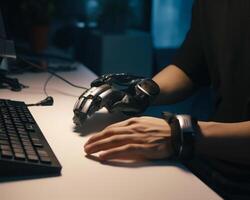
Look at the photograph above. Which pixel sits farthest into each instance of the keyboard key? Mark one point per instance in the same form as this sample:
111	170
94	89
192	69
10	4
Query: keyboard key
2	103
7	121
20	156
33	158
45	159
40	145
26	143
2	130
21	130
30	127
30	120
16	146
42	153
13	137
12	134
6	116
5	147
25	140
30	152
23	134
4	142
6	154
36	142
15	143
35	139
3	137
15	117
28	146
19	126
18	151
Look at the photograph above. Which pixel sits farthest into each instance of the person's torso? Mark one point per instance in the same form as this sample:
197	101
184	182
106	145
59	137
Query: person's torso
225	31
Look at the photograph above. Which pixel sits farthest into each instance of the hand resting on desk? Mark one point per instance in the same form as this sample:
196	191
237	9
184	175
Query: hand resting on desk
135	138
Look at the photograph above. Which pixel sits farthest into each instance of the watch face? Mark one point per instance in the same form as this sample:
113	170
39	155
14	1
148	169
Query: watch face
185	122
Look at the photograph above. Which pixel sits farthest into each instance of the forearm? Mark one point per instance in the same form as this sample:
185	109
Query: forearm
174	85
225	141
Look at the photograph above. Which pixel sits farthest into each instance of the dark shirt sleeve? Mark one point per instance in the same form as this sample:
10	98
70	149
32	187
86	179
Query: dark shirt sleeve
190	57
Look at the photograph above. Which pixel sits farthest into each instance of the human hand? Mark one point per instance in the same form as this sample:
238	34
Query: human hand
135	138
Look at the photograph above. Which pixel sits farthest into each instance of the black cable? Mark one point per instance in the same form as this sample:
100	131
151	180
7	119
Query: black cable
48	101
52	73
45	85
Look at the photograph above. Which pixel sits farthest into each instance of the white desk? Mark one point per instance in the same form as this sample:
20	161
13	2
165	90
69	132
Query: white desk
87	179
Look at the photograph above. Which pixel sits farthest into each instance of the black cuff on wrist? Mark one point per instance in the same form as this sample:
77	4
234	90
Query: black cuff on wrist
183	131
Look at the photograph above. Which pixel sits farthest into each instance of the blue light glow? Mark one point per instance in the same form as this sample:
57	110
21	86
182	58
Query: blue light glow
171	21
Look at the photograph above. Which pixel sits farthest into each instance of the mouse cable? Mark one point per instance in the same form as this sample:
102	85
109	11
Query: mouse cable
51	72
48	101
45	85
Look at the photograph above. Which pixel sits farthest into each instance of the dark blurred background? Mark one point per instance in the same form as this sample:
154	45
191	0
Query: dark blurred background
134	36
140	36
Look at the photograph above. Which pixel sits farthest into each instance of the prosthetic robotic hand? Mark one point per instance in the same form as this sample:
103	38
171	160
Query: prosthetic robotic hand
124	93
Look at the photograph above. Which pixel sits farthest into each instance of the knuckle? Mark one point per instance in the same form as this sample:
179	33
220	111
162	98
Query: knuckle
116	138
93	138
143	117
130	147
140	128
134	120
140	139
109	131
147	140
109	126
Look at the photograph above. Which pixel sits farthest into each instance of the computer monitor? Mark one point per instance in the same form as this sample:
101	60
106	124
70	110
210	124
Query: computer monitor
7	47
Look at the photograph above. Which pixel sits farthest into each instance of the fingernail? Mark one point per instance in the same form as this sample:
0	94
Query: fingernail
86	149
102	157
88	142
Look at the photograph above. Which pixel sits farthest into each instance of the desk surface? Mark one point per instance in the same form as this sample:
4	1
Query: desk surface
83	178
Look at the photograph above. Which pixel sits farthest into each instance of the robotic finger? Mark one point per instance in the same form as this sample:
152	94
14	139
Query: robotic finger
124	93
93	100
88	103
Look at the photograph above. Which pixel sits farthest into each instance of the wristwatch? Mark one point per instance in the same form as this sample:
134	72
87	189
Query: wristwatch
184	130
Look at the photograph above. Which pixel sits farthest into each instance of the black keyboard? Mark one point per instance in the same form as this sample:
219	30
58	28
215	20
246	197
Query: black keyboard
24	150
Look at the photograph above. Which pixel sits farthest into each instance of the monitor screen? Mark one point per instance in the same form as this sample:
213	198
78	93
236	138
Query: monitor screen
2	29
7	47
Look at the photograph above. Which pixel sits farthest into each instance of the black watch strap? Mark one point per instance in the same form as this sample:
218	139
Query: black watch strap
183	132
175	131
